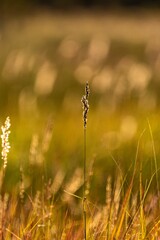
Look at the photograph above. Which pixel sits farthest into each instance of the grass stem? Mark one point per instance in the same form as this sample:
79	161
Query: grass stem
84	188
85	113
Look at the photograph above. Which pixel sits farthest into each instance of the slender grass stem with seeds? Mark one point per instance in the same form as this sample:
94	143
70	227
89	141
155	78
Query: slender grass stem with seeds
85	113
4	155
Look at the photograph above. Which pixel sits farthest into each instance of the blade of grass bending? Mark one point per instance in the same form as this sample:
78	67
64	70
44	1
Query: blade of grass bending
12	233
153	230
117	229
73	195
142	216
155	160
144	196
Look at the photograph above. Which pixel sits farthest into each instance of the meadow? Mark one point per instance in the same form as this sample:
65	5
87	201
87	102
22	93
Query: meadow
45	62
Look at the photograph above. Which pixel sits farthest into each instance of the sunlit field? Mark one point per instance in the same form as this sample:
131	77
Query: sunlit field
45	62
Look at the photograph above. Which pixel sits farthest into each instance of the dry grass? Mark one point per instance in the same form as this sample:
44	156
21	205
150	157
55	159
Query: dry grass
42	188
55	211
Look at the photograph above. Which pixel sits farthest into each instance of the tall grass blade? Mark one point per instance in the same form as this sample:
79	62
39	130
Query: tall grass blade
118	228
142	216
155	161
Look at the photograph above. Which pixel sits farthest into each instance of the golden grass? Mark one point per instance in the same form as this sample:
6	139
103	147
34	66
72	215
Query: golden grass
50	213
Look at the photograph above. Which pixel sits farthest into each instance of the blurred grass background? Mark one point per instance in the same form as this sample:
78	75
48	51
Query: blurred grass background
46	59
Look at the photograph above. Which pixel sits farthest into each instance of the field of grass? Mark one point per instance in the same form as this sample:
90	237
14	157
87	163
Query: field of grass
45	62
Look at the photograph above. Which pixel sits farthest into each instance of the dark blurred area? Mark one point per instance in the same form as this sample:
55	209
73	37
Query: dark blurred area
11	6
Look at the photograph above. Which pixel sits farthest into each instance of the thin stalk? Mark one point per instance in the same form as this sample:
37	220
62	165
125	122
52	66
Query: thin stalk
84	165
84	187
85	105
142	217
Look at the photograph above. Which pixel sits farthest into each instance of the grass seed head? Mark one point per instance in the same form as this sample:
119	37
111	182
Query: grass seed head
5	142
85	104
